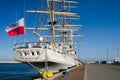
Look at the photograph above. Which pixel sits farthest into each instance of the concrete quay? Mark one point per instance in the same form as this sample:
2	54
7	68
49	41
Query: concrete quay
102	72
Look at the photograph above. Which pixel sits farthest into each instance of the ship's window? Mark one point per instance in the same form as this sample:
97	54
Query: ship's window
49	48
25	53
32	53
20	53
75	52
38	53
59	44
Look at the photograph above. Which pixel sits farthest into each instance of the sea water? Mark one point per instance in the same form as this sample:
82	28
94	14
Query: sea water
16	71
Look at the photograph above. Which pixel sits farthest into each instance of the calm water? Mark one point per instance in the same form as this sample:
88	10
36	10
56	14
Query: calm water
16	72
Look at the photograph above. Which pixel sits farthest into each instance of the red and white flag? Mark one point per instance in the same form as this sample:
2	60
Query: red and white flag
16	28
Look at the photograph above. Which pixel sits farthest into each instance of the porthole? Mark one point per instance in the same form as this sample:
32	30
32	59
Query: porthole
32	53
38	53
20	53
25	53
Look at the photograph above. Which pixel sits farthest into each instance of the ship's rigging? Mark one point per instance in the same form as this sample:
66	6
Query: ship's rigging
60	22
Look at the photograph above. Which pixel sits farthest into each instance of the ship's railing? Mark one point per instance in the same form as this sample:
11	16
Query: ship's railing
58	47
28	45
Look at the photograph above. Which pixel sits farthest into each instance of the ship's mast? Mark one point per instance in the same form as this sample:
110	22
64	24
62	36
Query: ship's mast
64	28
52	23
52	20
70	32
63	25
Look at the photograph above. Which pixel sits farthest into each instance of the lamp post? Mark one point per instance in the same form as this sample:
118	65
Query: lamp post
117	52
107	55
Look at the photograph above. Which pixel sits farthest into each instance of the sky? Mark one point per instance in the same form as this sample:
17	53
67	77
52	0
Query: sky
100	20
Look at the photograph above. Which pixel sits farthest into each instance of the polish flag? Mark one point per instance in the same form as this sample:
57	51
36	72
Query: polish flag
16	28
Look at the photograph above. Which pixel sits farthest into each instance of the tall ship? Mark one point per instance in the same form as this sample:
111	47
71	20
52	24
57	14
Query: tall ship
53	48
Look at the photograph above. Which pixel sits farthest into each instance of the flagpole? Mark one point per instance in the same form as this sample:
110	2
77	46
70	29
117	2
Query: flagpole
26	37
15	41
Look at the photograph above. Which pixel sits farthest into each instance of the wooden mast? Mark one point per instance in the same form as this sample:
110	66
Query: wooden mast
63	25
51	11
52	23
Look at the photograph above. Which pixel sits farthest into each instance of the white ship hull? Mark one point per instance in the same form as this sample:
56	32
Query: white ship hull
38	56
